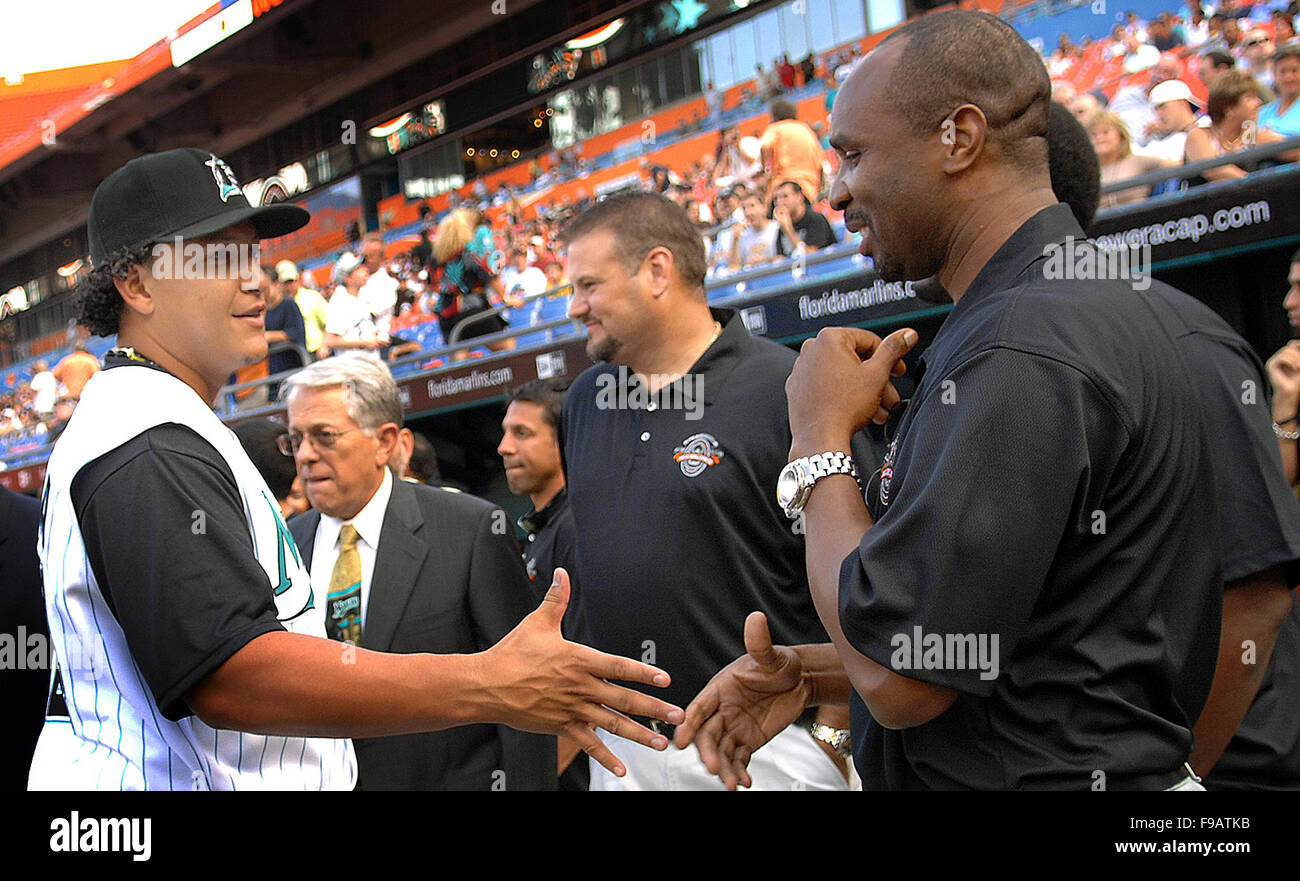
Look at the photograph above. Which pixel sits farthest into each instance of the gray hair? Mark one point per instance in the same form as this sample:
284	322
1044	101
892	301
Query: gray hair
372	394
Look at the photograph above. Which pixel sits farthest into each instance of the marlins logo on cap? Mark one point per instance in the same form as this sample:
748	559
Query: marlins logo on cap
227	186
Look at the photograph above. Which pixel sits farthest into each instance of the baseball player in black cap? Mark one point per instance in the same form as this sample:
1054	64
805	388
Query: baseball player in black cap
181	616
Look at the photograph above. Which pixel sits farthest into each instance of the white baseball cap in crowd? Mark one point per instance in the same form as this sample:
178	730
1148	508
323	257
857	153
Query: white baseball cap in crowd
285	270
1172	90
344	265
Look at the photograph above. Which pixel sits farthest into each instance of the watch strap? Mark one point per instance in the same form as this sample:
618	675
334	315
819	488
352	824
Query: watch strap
825	464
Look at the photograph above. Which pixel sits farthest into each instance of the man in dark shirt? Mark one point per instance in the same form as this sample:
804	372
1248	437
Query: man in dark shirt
422	253
284	324
1247	736
1023	606
671	450
26	676
530	450
1162	35
802	228
809	68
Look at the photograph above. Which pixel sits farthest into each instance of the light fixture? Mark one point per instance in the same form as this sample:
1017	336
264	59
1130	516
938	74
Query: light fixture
384	129
596	37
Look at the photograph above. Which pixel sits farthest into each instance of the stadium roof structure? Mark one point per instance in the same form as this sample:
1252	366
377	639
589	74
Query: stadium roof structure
257	87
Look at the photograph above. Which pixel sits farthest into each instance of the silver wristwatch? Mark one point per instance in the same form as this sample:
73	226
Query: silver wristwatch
795	484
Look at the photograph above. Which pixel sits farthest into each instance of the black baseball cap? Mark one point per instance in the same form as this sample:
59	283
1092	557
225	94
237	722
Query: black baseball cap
184	192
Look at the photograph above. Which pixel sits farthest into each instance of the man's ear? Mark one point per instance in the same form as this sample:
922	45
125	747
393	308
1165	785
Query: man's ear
963	137
134	291
389	439
658	265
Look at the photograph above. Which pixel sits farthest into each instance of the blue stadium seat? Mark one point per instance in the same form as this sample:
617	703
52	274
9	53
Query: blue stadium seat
553	307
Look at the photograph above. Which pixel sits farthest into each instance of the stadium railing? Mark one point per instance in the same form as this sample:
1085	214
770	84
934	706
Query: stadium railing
769	279
1194	169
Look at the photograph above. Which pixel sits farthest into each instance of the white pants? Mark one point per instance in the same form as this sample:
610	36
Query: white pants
791	760
1191	783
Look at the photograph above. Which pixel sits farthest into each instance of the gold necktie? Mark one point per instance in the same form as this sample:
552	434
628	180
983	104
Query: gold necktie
343	604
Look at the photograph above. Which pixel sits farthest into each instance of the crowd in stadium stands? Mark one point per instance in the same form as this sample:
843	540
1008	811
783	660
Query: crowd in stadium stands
755	200
1246	57
34	414
758	200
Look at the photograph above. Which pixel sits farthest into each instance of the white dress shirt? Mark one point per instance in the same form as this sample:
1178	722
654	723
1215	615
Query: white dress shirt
369	523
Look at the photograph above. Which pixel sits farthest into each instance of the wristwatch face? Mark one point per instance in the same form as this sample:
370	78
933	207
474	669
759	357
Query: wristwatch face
788	486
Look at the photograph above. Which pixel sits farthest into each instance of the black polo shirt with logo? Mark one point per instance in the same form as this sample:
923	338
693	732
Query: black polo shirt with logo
1050	486
679	533
1259	527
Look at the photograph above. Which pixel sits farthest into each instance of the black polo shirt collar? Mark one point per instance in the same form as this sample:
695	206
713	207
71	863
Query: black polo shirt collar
1026	245
727	351
535	521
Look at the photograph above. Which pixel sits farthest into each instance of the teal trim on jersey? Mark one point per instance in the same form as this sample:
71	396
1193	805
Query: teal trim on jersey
286	538
283	528
284	534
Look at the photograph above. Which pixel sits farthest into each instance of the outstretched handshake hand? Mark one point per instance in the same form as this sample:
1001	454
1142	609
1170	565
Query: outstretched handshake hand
549	685
745	705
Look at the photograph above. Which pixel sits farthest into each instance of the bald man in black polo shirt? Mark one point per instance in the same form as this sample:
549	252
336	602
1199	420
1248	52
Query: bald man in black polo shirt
1025	603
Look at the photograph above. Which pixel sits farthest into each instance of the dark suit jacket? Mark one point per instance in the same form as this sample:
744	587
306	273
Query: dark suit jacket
448	580
21	606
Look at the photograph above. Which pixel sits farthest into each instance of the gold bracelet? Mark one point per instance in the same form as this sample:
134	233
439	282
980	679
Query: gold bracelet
837	739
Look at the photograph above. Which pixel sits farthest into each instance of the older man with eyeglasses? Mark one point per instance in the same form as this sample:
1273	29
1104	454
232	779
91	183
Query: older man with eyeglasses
401	567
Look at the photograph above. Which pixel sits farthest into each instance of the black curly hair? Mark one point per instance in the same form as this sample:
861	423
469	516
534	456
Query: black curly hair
99	305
